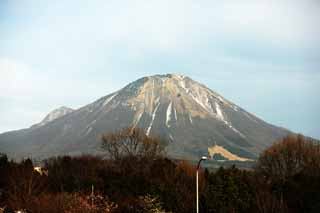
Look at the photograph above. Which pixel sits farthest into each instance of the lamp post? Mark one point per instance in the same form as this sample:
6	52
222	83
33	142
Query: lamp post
197	181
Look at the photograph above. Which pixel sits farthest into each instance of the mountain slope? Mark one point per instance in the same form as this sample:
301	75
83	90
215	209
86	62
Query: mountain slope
190	116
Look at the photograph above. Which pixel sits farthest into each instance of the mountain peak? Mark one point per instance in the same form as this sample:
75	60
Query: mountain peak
169	75
186	95
54	114
174	95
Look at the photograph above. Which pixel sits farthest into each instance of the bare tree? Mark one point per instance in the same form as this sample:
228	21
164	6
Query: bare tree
132	142
290	166
292	155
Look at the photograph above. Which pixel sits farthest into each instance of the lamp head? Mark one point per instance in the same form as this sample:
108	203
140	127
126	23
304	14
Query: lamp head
204	158
201	159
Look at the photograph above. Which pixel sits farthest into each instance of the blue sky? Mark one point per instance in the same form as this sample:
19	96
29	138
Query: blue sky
262	55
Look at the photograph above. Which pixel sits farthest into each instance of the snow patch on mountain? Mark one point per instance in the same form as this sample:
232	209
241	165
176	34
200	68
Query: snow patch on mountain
91	123
89	130
109	99
235	130
219	112
137	119
183	85
250	117
152	89
190	119
198	101
175	114
168	117
221	117
171	137
152	119
232	106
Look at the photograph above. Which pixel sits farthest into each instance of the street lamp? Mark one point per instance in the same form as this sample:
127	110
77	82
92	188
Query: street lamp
197	181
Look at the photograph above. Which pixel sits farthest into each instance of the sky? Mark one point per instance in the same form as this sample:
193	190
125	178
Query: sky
263	55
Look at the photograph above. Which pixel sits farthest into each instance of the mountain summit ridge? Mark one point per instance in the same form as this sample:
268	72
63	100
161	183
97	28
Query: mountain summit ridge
183	95
53	115
190	116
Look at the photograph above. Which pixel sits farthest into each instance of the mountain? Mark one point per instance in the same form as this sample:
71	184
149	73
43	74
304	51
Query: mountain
193	119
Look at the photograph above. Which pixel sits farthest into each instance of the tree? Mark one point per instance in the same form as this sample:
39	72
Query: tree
3	161
23	183
290	156
290	172
132	142
74	173
229	190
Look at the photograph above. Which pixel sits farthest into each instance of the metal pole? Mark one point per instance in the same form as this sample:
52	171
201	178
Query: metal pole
197	188
197	182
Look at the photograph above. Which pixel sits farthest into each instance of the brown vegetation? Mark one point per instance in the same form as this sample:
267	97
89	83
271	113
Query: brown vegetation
136	181
288	176
132	142
292	155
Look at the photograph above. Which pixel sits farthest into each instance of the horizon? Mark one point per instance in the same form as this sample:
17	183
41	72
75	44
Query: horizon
264	57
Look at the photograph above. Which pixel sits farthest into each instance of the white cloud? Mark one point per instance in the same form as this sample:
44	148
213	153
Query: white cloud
176	25
282	22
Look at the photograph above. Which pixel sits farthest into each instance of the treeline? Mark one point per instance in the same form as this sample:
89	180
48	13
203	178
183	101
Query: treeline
137	177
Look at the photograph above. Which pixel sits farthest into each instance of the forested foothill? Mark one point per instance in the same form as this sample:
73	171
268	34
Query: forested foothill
136	176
